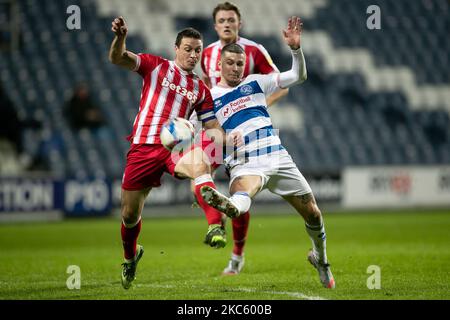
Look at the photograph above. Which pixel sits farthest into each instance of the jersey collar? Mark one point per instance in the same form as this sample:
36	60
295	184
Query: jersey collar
183	72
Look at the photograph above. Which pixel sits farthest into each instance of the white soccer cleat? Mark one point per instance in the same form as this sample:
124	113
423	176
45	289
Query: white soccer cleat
218	201
325	275
234	266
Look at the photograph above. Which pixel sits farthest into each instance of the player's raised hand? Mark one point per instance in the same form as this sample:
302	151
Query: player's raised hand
293	32
119	27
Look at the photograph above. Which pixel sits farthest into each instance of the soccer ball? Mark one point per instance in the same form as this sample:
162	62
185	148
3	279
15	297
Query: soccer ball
177	132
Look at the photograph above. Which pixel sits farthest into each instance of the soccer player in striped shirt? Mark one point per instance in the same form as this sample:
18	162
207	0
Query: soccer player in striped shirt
262	162
227	23
170	89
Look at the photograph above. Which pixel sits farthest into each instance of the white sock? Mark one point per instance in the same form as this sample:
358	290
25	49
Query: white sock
236	257
202	179
318	239
242	201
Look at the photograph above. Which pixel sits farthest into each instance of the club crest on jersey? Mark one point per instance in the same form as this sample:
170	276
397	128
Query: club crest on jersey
179	89
246	90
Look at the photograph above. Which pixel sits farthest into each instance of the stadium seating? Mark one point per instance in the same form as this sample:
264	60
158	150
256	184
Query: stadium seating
345	121
412	35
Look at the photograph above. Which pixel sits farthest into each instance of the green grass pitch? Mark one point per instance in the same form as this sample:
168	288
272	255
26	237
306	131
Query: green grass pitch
412	250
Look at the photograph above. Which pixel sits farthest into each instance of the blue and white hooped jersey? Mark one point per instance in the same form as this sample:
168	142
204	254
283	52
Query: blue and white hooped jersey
244	109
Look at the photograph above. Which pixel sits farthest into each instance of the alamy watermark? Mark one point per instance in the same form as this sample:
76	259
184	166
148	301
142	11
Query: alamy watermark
73	21
374	20
74	280
232	151
374	280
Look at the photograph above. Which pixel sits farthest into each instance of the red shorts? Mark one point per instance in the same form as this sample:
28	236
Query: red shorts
209	148
146	163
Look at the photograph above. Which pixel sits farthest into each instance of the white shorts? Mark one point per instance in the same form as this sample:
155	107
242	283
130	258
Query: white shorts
278	172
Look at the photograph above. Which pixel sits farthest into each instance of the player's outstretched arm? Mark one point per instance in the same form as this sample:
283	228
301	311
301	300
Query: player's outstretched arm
273	98
118	53
292	37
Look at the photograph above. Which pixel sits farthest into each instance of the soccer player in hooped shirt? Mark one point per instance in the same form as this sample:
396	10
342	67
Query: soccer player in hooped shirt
227	23
262	162
170	89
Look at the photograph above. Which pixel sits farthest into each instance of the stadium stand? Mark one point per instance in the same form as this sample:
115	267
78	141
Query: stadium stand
371	97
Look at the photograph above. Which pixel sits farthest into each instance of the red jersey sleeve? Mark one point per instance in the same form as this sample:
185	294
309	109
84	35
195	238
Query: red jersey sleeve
204	106
263	62
146	63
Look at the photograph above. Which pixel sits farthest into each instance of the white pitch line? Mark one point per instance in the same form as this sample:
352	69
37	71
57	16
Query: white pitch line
285	293
165	286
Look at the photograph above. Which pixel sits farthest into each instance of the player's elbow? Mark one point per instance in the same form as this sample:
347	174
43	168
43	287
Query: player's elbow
284	92
303	78
114	59
111	58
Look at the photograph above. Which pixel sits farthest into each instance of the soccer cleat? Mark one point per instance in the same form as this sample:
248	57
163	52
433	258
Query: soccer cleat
234	266
218	201
215	237
129	268
325	275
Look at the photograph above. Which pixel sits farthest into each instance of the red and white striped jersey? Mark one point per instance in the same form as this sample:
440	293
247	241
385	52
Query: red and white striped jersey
258	60
167	92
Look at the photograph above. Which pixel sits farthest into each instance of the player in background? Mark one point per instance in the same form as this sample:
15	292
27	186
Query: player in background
227	23
262	162
170	89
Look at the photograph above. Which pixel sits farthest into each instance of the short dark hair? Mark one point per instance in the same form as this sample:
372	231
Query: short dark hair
187	33
232	47
227	6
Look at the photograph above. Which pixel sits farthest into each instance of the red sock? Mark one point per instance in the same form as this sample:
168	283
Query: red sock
129	239
240	227
213	216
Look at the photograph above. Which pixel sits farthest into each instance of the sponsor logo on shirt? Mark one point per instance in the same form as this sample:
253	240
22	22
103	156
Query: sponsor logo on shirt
180	90
235	106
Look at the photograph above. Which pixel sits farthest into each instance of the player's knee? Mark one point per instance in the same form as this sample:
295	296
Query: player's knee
200	168
130	214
